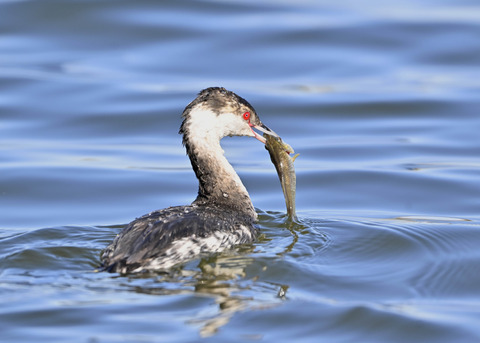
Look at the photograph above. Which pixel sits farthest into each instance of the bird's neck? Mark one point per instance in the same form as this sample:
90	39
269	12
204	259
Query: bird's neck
219	184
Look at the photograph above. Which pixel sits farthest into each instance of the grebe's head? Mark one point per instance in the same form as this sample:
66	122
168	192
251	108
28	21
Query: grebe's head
217	112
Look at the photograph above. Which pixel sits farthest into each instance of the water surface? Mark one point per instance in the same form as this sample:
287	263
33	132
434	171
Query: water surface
381	103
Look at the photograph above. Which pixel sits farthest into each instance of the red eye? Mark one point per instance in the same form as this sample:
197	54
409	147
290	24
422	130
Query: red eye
246	115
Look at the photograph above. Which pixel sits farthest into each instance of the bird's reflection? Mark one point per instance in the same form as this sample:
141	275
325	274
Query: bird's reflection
222	277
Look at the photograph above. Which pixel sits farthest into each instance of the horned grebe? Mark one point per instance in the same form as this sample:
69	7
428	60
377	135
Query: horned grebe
221	216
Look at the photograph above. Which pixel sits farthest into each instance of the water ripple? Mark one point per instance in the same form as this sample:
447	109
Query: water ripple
420	257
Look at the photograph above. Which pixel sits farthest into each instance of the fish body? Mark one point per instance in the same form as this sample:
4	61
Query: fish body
283	162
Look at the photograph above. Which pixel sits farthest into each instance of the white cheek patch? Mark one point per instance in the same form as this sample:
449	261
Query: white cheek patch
233	125
201	124
207	125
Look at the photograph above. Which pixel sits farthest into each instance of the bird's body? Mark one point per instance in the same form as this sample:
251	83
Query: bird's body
162	239
221	216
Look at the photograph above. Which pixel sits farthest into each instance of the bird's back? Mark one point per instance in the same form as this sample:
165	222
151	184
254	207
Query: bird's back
161	239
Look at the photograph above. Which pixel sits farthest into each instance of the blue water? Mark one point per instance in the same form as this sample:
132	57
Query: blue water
380	100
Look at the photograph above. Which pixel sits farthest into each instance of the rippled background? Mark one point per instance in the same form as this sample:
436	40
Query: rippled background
380	100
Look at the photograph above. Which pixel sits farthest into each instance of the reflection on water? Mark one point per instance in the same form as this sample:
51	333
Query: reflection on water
223	278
